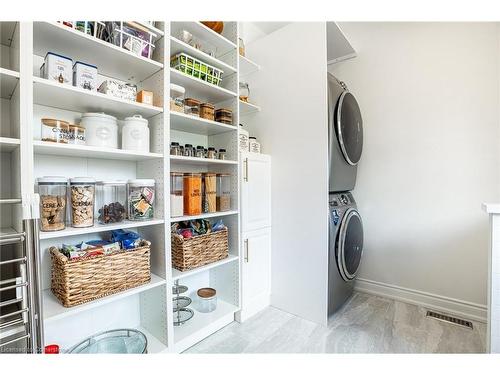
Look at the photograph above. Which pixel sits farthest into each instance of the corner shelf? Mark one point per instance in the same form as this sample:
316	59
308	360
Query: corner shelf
61	149
247	66
197	125
8	82
248	108
67	97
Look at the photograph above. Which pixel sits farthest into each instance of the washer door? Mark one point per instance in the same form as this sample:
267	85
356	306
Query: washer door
350	244
349	128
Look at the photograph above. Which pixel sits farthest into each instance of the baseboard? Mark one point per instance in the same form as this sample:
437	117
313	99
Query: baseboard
435	302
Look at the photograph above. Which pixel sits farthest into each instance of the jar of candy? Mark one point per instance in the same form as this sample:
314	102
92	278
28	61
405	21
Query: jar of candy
111	201
141	199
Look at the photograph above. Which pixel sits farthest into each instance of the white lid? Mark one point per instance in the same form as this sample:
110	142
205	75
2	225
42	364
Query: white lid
142	182
138	118
100	115
177	88
112	183
81	180
52	180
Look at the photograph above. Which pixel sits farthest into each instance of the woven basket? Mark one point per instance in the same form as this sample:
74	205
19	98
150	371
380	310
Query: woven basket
85	279
189	253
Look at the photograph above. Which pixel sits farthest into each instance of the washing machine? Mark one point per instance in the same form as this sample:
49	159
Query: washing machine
345	248
345	136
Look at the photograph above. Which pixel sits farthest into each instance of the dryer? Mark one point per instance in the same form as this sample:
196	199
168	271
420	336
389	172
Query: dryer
345	241
345	136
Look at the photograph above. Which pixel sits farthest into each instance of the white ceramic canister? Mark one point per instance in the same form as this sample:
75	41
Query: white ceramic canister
135	134
244	143
101	130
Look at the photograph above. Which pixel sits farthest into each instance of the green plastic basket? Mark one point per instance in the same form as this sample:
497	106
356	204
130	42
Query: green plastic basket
196	68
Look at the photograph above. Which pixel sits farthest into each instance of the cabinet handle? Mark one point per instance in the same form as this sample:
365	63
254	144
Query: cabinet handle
245	174
246	250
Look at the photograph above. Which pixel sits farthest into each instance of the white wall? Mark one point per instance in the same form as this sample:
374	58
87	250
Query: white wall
292	126
429	95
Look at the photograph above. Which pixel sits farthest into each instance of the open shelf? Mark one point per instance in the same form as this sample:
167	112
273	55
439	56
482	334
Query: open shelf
9	144
203	216
202	325
8	82
155	346
111	60
247	66
177	46
54	94
98	228
187	160
53	310
176	274
222	44
200	89
248	108
61	149
197	125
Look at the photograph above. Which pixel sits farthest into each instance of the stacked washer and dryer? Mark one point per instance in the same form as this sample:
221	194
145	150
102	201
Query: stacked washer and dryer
345	133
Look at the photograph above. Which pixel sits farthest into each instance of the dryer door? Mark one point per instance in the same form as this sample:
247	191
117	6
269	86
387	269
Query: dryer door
349	128
350	244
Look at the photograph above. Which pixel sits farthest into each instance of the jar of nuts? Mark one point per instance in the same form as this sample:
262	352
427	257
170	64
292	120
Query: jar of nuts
52	192
82	201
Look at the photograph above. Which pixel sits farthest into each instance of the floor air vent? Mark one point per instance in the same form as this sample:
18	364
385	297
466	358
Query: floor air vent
450	319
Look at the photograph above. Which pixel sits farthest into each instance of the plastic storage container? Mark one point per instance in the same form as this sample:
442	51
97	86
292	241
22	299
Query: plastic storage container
207	300
209	191
116	341
141	199
52	192
177	98
85	76
207	111
196	68
57	68
135	134
223	192
192	193
55	130
111	201
224	115
101	130
192	107
82	191
76	134
176	194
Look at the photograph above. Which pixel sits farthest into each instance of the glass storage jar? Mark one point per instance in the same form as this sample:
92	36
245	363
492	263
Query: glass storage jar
52	191
192	193
222	154
209	191
82	201
111	201
208	299
188	150
244	92
141	199
223	192
176	194
175	149
211	153
200	152
207	111
177	98
192	107
55	130
76	134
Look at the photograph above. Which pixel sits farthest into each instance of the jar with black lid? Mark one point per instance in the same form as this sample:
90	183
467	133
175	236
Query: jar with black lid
188	150
175	149
200	152
211	153
222	154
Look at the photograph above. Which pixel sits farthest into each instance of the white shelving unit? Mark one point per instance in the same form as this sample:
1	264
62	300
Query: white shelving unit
29	98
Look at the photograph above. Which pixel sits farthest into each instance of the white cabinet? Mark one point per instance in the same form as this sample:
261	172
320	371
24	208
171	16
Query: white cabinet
256	234
255	191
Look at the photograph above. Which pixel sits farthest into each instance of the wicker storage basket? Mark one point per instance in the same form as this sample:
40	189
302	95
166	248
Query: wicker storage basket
189	253
85	279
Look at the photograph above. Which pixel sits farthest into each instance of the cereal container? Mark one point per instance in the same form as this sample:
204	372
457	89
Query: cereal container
52	191
223	192
82	201
176	191
141	199
192	193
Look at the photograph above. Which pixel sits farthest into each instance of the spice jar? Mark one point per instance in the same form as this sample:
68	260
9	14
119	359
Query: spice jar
209	192
200	152
177	98
223	192
141	199
52	191
192	107
175	149
211	153
224	116
82	201
76	134
176	194
111	201
207	111
192	193
55	130
188	150
222	154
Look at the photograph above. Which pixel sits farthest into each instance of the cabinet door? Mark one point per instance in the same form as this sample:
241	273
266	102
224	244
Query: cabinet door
256	270
256	191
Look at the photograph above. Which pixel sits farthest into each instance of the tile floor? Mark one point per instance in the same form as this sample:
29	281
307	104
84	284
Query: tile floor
366	324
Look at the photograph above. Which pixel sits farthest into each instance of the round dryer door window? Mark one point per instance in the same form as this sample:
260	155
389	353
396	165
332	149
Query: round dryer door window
349	128
350	244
